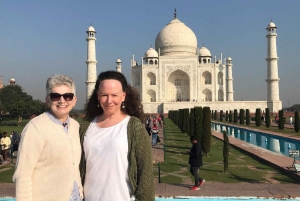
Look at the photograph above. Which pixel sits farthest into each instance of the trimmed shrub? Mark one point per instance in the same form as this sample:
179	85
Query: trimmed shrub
235	116
268	118
230	116
221	115
185	123
297	122
198	123
248	117
191	131
206	138
242	116
281	120
226	115
258	117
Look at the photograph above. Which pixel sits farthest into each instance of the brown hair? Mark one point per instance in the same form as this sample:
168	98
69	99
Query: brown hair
133	105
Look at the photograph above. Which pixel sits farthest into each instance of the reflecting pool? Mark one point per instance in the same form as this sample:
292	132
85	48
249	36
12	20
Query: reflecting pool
270	142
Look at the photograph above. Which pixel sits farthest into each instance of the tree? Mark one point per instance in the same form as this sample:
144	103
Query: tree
268	118
230	116
191	132
235	116
281	120
188	126
206	139
221	115
226	115
247	117
198	123
185	117
225	151
296	125
242	116
18	103
258	117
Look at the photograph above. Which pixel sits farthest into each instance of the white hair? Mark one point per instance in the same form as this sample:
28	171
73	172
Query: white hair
55	80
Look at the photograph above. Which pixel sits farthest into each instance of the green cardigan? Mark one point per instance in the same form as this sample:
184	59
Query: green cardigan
140	169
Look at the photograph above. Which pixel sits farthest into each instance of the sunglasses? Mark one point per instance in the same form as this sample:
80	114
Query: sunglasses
57	96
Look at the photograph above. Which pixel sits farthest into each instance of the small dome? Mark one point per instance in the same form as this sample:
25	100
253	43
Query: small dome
204	52
271	25
151	53
118	61
176	38
12	80
91	28
229	59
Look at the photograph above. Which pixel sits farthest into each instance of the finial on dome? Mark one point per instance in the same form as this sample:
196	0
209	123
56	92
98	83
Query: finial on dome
175	14
203	45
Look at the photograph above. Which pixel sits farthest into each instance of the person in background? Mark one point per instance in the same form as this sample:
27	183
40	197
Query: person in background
5	145
154	133
116	162
291	120
159	121
195	161
148	121
148	129
15	139
49	154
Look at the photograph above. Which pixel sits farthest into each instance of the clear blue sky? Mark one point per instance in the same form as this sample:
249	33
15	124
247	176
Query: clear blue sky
42	38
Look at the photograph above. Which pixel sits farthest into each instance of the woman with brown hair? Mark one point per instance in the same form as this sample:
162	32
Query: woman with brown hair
116	162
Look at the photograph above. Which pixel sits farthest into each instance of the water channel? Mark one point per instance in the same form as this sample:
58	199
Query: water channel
277	144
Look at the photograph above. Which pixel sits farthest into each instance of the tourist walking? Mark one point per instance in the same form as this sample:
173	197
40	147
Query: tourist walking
116	162
195	161
49	152
154	133
291	120
5	145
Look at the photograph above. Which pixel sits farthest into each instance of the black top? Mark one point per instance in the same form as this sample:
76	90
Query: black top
196	155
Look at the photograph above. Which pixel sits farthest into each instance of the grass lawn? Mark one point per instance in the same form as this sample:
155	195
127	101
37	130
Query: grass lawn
6	173
242	167
9	129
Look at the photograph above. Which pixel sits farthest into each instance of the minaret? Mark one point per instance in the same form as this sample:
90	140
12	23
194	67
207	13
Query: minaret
91	62
119	65
272	67
229	79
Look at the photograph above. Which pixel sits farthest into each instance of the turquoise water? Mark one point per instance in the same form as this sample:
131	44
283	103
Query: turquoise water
277	144
203	199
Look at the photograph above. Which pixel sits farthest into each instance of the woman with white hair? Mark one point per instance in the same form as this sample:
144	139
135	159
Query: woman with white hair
49	154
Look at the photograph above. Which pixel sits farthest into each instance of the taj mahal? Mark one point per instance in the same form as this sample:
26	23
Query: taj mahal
178	74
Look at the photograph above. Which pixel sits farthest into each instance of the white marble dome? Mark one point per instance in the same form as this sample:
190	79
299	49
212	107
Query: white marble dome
91	28
271	25
176	38
118	61
204	52
151	53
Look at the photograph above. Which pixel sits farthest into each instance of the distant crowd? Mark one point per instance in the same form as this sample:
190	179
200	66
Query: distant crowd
8	145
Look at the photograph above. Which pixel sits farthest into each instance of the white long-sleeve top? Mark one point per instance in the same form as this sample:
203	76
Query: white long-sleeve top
5	141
